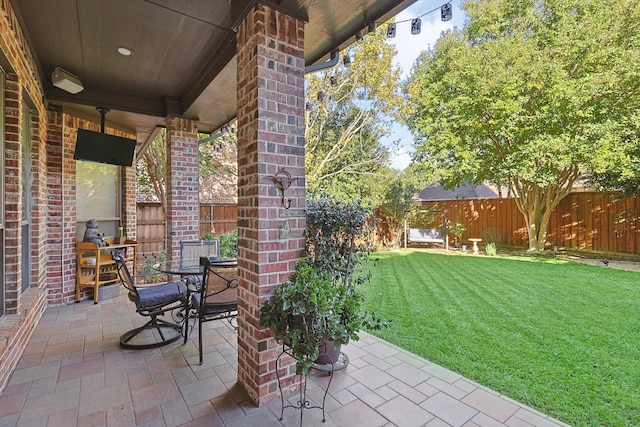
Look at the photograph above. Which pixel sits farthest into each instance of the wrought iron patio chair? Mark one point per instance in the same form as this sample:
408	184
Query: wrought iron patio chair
154	301
216	296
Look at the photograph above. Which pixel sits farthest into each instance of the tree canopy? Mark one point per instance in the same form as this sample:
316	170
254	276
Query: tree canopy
348	110
530	94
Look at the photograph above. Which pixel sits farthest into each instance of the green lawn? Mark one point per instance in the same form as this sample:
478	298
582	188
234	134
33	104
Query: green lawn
561	337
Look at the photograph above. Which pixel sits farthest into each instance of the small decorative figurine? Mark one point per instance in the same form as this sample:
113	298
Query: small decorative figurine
92	235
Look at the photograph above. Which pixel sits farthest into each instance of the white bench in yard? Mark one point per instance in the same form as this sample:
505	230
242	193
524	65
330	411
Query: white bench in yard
426	235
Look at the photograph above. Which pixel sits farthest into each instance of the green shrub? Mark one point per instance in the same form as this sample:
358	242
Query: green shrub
457	229
229	244
491	237
490	249
322	301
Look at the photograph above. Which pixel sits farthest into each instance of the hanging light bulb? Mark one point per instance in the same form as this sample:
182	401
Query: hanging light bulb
347	59
416	26
391	31
359	35
320	96
334	81
372	27
446	12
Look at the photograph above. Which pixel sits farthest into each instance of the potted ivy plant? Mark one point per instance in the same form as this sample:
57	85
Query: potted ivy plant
320	307
305	311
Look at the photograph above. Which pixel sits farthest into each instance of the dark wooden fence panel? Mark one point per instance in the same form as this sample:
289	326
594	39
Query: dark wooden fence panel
586	220
151	233
218	218
483	217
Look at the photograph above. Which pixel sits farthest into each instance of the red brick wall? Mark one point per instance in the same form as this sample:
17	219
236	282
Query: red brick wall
22	84
270	137
53	226
183	197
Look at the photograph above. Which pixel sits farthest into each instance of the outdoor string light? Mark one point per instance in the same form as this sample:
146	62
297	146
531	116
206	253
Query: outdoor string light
391	31
416	26
446	12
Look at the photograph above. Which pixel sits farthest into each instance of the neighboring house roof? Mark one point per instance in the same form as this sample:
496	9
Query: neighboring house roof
466	191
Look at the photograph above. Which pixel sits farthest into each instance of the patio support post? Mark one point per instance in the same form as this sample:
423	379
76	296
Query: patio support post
270	46
183	199
61	270
129	206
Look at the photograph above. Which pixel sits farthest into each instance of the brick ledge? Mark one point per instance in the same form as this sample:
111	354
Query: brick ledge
16	330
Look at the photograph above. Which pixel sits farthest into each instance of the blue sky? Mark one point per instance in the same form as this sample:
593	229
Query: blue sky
409	47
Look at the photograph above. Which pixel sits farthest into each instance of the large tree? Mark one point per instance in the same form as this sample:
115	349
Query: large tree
348	110
395	206
530	93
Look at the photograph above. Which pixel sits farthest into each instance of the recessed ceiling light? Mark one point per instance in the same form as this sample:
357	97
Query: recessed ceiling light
125	51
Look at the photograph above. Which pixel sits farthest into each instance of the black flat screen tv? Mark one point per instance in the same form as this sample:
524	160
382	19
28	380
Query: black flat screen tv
104	148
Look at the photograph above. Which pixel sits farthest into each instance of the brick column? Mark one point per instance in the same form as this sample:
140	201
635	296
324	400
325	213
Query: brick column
270	58
13	240
55	210
129	208
183	200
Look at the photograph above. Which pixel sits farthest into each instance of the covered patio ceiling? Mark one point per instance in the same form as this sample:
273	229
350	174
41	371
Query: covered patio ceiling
184	52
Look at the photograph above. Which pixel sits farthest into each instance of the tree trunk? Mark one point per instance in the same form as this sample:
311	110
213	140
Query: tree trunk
537	225
538	202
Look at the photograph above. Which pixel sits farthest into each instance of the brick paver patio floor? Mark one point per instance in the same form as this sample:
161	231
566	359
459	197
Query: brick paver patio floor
73	373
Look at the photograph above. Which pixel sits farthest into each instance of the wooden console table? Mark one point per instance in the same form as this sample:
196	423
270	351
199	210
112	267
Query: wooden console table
96	268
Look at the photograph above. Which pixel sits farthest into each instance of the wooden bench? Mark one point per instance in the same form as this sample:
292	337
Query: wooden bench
426	235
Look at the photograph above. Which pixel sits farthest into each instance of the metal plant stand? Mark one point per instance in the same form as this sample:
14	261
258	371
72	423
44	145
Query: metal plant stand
303	403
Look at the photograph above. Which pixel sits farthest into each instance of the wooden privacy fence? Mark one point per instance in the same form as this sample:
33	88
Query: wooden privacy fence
218	218
586	220
151	229
151	233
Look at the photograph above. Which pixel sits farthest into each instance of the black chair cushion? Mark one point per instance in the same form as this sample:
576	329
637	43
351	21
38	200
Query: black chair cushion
165	293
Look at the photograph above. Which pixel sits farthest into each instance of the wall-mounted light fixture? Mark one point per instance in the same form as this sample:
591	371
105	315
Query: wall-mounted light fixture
66	81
